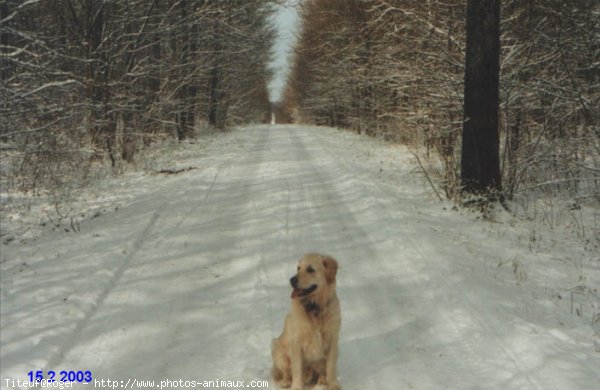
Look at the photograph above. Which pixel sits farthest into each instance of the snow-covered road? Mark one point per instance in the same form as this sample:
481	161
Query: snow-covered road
189	280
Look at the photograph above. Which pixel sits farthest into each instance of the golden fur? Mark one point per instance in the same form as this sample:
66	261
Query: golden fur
307	350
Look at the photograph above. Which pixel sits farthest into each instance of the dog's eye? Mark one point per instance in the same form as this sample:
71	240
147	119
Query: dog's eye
310	270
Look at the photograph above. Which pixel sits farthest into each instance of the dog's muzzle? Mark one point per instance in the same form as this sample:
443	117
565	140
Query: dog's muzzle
300	292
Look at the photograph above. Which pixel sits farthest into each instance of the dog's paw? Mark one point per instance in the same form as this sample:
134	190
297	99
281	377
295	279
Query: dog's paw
322	380
284	383
296	385
334	385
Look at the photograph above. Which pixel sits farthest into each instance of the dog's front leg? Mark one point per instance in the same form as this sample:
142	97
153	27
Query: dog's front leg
330	367
296	366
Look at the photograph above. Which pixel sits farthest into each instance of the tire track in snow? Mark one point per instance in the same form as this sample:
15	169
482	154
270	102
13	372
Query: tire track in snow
227	187
64	348
469	307
466	304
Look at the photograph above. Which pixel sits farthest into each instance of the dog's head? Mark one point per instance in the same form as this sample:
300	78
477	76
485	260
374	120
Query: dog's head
315	277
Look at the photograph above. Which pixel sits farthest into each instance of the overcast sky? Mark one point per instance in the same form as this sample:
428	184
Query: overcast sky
286	22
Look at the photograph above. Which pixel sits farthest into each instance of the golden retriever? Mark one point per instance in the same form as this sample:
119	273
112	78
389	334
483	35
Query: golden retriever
307	350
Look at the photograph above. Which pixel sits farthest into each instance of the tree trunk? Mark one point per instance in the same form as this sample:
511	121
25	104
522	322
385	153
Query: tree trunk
514	137
4	40
183	102
480	161
214	114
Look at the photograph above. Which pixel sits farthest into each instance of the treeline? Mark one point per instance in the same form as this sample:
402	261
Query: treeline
83	80
395	69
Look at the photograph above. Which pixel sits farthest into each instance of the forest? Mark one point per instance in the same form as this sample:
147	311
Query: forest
86	81
396	69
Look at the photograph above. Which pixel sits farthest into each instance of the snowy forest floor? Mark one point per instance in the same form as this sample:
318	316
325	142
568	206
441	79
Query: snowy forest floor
185	275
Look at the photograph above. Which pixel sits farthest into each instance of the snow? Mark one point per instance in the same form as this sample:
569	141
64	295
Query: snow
188	277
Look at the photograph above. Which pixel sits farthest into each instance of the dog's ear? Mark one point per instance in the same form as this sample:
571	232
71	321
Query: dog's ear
331	267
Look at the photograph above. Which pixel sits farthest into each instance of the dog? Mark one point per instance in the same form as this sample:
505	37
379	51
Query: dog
306	352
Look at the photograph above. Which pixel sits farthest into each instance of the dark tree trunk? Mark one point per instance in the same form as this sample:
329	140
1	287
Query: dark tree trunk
214	114
480	161
182	112
214	100
4	12
192	89
513	139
